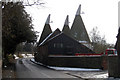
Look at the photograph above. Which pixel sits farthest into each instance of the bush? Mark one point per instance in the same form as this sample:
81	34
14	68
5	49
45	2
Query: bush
10	58
20	56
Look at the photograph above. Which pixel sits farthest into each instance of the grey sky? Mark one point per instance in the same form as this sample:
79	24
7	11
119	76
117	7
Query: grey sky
100	13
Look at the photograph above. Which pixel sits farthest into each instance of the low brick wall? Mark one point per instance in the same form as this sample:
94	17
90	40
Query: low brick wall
76	61
113	66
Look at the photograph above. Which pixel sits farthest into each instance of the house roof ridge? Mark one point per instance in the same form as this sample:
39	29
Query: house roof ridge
47	38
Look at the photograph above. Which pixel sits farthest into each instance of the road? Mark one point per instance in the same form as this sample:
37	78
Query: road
27	69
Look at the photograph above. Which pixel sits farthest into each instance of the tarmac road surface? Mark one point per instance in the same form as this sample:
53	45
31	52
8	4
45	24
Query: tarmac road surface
27	69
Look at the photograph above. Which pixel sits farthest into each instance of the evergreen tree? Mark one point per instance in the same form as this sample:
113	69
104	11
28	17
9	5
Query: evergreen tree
16	27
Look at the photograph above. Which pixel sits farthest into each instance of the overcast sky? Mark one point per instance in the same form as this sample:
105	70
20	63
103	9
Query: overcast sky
100	13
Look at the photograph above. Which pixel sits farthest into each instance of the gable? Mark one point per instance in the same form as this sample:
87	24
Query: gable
51	35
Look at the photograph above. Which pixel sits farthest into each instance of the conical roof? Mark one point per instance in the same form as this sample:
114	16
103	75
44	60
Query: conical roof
48	19
46	30
78	30
66	28
78	10
67	20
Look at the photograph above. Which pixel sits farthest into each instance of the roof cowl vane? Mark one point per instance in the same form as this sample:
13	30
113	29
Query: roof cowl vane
48	19
67	20
79	10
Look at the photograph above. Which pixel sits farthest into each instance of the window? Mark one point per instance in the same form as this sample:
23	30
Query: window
58	45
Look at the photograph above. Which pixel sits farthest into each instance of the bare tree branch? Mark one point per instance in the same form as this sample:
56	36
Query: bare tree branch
35	2
26	2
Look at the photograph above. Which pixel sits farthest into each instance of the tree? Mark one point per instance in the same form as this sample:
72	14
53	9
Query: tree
16	27
26	2
99	43
33	2
25	47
